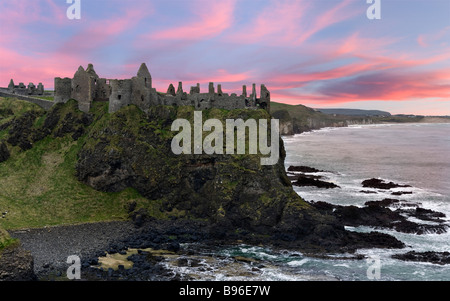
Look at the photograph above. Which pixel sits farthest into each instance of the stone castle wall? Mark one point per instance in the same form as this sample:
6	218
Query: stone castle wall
86	87
21	89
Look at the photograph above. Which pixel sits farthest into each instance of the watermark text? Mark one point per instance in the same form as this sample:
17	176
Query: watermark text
234	137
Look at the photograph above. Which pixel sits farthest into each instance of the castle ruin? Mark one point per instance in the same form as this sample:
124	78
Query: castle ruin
21	89
86	86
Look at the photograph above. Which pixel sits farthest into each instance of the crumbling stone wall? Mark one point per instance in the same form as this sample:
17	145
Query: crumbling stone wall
120	94
63	89
86	87
21	89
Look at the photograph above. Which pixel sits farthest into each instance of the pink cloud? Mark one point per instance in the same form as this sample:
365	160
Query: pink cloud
23	68
17	16
279	21
211	19
287	22
96	33
337	14
379	86
443	35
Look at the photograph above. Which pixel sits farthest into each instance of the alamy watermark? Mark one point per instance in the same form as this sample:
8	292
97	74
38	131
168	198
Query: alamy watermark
74	10
214	142
374	11
374	269
74	270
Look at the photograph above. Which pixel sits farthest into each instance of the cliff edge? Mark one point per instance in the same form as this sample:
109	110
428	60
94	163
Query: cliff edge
66	166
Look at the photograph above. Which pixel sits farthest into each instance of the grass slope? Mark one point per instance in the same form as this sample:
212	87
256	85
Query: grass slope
38	186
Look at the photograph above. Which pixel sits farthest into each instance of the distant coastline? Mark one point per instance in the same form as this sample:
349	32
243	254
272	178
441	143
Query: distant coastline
296	119
435	119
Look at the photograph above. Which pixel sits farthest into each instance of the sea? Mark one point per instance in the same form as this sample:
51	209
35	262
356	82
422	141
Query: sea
416	154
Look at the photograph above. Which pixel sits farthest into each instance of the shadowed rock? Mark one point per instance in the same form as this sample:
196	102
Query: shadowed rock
433	257
306	180
381	184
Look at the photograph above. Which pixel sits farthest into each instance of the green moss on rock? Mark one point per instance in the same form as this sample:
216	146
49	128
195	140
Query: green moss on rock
133	149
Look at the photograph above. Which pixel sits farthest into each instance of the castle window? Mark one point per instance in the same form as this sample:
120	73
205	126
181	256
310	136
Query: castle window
119	96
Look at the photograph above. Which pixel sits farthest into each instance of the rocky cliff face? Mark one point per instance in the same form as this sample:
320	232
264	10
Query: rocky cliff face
133	149
231	193
16	264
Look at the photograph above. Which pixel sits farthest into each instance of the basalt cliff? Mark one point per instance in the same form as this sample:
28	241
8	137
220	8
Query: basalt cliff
98	157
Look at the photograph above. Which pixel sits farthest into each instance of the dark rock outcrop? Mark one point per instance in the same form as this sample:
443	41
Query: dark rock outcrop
306	180
303	169
301	176
21	130
62	119
429	256
16	264
381	184
377	215
133	149
4	152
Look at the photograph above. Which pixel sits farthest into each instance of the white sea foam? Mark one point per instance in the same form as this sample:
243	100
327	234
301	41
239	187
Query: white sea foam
412	154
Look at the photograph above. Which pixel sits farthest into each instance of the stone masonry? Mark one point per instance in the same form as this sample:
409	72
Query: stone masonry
86	86
21	89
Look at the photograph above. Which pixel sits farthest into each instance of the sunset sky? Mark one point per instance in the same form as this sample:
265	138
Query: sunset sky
319	53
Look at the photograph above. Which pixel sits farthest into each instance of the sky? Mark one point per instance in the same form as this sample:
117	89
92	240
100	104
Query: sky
319	53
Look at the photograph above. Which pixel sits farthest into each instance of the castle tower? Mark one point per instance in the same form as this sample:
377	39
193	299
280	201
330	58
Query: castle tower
180	88
171	90
253	96
40	89
31	89
11	85
142	93
90	70
195	89
145	74
63	89
264	101
121	91
83	87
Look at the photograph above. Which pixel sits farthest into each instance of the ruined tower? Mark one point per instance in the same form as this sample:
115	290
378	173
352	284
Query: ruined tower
63	89
84	86
264	100
142	93
120	94
11	85
145	75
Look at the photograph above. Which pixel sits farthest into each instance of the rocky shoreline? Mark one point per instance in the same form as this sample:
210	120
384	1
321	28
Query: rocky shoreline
150	238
